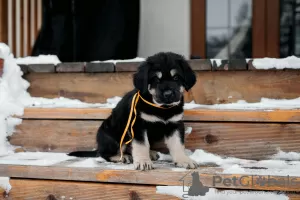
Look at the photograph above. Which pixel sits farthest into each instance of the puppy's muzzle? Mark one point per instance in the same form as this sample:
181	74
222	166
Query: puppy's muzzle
168	94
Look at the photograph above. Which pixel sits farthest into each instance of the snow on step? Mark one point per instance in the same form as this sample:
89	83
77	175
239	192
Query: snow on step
214	194
291	62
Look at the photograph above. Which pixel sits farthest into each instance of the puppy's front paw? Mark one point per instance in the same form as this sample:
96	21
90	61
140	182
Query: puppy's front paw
186	162
144	164
154	155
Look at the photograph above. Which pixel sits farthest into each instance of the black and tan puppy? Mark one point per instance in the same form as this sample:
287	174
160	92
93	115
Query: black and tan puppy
161	80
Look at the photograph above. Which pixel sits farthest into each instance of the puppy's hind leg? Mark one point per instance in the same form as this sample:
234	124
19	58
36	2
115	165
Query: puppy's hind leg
154	155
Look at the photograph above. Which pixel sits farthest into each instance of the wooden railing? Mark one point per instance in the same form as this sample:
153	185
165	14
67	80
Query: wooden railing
20	21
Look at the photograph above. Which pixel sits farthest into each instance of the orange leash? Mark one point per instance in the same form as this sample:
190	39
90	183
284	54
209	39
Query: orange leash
134	102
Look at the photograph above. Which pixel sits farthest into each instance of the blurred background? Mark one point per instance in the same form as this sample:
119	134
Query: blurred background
77	30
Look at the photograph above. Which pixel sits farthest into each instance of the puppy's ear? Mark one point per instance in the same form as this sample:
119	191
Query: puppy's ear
189	75
140	78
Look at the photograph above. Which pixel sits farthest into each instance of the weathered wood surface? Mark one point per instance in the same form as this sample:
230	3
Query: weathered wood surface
69	190
99	67
62	190
127	66
70	67
211	87
189	115
41	68
159	176
243	140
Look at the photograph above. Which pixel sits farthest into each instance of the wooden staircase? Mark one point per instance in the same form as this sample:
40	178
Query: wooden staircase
245	134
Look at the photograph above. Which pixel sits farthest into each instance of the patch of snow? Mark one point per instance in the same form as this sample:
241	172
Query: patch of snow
35	158
120	166
89	162
248	59
233	165
218	62
234	168
264	104
137	59
100	160
214	194
11	122
290	156
229	97
291	62
4	183
13	92
164	157
188	130
179	169
191	105
62	102
41	59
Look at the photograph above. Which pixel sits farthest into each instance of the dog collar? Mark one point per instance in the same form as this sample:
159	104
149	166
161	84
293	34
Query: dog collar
134	102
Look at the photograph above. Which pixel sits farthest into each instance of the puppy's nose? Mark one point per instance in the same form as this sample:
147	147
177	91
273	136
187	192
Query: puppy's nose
167	94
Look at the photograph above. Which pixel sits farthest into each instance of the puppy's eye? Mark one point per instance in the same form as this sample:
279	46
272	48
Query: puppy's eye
175	78
156	79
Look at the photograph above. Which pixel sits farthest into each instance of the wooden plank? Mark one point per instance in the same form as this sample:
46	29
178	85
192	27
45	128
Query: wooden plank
70	67
243	140
273	28
208	176
127	66
259	33
87	87
68	190
99	67
189	115
41	189
229	86
211	88
198	28
3	22
41	68
196	64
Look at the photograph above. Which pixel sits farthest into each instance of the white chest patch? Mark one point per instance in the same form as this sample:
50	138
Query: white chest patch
153	118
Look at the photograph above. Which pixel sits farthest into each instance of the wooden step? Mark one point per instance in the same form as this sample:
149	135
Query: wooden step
222	132
75	169
243	140
189	115
212	87
71	190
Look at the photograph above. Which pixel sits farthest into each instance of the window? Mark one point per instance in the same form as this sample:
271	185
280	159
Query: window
229	29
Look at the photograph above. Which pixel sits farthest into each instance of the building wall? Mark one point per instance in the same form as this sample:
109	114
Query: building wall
164	26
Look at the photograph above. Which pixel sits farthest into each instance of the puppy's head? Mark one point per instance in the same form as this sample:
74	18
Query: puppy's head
165	76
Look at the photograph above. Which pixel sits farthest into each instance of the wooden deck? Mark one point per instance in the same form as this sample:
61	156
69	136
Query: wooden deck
246	134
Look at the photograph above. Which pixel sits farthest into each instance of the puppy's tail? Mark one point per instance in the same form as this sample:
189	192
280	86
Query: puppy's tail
83	153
